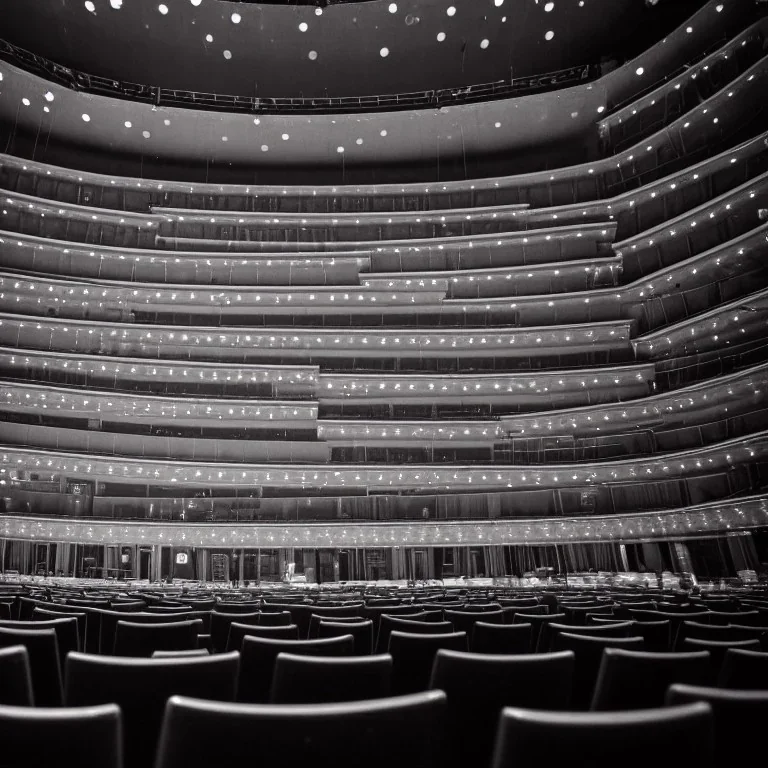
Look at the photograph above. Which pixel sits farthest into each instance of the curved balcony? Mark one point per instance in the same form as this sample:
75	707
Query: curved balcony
698	520
254	344
424	478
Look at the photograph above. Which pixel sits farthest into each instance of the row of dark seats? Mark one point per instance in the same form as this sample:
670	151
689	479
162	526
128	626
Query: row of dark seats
472	690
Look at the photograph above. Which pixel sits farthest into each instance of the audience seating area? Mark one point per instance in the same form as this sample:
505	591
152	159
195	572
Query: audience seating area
183	672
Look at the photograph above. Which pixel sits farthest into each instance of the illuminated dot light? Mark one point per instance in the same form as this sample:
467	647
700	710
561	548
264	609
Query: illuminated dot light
549	35
285	137
162	8
384	52
264	148
312	55
451	10
393	7
86	118
303	27
340	150
719	8
116	4
25	101
89	6
48	96
256	121
146	134
236	18
498	3
209	38
358	141
227	55
383	132
689	30
318	11
440	37
549	7
195	2
485	43
128	124
639	71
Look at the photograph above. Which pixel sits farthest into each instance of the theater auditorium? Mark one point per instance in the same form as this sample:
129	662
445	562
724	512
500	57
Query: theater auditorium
383	383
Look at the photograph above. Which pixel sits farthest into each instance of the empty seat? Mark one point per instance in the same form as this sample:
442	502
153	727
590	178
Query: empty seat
258	655
220	623
133	639
478	686
76	736
237	607
109	620
739	720
388	624
67	637
717	649
550	629
141	688
45	666
744	669
279	619
464	621
536	621
380	733
314	622
664	737
317	680
589	653
629	679
15	677
414	654
719	632
42	614
577	614
238	631
500	638
361	631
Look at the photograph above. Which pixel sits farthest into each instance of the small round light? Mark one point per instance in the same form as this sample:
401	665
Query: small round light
384	52
639	71
162	8
340	150
86	118
498	3
303	27
358	141
719	8
383	132
146	134
485	43
264	148
89	6
600	110
209	38
195	2
25	101
236	18
285	137
227	55
256	121
312	55
318	11
48	96
128	124
550	34
440	37
549	7
497	125
393	7
689	30
451	10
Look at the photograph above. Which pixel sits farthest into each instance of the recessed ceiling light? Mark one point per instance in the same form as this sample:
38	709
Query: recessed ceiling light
340	150
128	124
393	7
549	35
485	43
285	137
146	134
383	132
256	121
639	71
86	118
451	10
549	7
318	11
303	27
89	6
116	4
162	8
227	55
440	37
166	121
497	125
48	96
264	148
236	18
498	3
358	141
209	38
312	55
25	101
384	52
195	2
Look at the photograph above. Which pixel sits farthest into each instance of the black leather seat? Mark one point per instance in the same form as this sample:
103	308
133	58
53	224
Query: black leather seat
500	638
381	733
15	677
258	655
141	688
76	736
667	737
238	631
132	639
361	631
44	661
478	686
317	680
744	669
414	654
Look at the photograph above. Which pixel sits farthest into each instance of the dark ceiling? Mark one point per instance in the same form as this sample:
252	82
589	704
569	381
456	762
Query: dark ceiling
348	49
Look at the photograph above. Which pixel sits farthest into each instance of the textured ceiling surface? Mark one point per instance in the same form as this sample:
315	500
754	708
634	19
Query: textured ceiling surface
350	49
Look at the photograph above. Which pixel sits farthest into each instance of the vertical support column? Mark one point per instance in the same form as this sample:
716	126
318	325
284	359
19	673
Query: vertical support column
155	563
683	558
240	566
623	557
